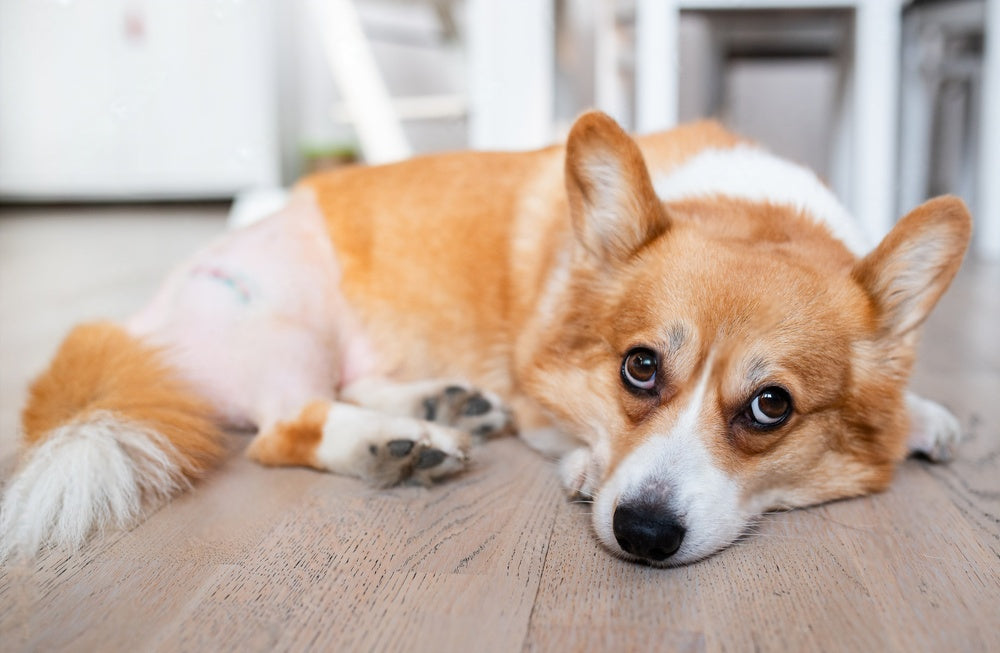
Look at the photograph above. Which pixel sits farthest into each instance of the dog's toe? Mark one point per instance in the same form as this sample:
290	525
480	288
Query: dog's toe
436	453
476	412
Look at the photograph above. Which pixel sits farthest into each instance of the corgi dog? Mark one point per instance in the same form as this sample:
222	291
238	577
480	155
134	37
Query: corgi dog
694	325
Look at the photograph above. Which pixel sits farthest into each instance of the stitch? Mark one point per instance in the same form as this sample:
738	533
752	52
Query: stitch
231	280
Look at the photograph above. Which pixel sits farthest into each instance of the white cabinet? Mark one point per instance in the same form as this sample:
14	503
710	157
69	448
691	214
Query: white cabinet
136	99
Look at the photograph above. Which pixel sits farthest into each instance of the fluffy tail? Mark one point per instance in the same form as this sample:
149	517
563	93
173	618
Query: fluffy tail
110	430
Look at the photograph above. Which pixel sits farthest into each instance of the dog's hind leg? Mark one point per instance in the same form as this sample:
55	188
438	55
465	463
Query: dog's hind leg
934	431
356	441
448	402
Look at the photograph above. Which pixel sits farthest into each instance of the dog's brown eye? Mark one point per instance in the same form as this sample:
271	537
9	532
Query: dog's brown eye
639	369
770	407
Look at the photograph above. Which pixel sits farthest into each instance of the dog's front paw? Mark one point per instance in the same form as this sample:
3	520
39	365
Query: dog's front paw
477	412
934	431
579	473
437	452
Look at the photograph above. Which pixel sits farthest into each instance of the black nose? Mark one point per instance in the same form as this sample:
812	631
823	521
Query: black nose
648	530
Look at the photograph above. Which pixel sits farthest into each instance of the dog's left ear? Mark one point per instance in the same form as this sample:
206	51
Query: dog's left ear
612	203
913	265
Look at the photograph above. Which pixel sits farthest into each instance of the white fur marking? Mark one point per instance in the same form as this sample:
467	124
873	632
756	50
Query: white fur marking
85	477
706	498
349	430
750	173
345	430
934	430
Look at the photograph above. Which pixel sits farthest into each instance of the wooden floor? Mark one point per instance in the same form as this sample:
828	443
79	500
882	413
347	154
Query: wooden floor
496	560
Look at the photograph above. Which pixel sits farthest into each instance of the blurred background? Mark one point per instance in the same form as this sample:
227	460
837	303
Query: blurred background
149	100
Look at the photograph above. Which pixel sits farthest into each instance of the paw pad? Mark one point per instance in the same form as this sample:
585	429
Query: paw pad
425	458
430	458
399	448
477	404
478	413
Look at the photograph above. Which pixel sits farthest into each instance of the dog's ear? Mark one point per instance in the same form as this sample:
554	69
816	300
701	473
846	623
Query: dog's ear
914	264
612	203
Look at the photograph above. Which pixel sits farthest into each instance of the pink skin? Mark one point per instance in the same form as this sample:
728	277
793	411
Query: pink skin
256	320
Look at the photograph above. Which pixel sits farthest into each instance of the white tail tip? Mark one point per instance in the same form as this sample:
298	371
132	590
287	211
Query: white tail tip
85	477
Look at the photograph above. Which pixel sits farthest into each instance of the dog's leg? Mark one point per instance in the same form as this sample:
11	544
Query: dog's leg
550	441
356	441
451	403
934	431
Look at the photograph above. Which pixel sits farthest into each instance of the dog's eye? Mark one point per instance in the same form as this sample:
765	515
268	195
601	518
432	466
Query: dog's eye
770	407
639	368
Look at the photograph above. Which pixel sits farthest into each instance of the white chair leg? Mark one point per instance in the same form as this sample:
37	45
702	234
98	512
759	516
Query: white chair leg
609	96
358	79
915	114
656	66
841	143
988	220
876	74
511	73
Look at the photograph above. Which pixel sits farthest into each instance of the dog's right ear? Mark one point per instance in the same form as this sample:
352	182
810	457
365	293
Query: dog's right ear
613	206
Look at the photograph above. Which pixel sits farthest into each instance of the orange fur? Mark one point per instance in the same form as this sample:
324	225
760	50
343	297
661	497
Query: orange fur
465	299
101	368
428	299
664	151
443	256
292	442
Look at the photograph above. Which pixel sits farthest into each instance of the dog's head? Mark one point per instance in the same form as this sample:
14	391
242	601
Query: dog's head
724	358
